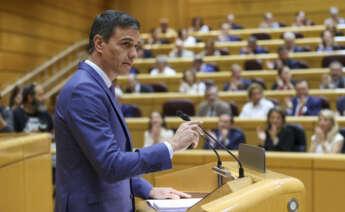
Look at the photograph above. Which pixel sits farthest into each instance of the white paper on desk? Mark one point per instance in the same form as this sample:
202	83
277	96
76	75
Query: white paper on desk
173	204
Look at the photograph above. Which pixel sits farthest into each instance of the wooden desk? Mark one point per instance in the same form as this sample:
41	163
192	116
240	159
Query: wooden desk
26	174
224	62
313	76
307	31
235	47
322	175
155	101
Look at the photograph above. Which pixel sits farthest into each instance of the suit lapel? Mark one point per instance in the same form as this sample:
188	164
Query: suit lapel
100	81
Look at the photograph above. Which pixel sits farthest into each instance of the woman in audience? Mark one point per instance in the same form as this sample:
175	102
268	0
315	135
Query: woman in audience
210	49
15	99
157	131
327	138
155	39
327	42
302	20
190	84
185	38
277	136
284	81
198	25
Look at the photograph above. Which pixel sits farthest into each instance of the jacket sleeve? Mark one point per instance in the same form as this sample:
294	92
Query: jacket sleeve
141	188
87	118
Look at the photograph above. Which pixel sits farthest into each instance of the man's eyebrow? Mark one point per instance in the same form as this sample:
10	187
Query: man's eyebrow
126	39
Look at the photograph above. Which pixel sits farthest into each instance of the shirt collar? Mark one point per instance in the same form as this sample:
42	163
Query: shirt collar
100	72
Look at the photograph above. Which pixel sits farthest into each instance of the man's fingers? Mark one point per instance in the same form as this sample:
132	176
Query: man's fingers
181	194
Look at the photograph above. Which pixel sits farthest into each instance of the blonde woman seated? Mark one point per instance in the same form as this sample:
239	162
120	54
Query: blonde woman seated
190	84
327	138
157	131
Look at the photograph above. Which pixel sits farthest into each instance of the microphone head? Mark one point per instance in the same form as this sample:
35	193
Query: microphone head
182	115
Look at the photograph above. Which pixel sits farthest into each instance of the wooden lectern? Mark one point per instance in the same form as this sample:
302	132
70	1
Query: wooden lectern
257	191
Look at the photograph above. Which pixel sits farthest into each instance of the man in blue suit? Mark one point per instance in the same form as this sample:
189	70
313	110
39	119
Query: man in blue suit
97	171
303	104
230	136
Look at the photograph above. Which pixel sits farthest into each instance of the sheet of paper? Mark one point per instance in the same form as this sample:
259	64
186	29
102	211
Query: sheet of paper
173	204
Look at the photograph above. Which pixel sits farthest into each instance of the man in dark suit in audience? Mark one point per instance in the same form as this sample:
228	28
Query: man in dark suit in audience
303	104
335	78
230	19
285	60
134	86
289	42
213	106
253	48
228	135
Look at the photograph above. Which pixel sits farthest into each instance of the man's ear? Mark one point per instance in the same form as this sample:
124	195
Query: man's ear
98	43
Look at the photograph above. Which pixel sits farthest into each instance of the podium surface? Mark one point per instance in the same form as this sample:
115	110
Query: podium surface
257	191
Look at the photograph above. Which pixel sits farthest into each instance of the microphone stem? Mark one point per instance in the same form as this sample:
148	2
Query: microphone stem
219	161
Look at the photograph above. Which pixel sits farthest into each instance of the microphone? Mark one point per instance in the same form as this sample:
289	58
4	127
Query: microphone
219	170
185	117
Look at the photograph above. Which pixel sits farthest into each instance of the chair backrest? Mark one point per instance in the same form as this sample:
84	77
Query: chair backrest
159	87
136	111
324	102
253	65
329	59
234	108
262	36
300	138
341	105
171	106
342	132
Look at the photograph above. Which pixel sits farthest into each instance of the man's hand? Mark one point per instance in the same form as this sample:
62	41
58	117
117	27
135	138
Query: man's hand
167	193
187	134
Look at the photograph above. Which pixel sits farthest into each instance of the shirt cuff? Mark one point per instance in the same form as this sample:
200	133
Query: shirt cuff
171	151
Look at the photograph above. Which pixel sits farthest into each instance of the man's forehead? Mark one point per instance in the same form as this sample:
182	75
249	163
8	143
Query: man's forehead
130	34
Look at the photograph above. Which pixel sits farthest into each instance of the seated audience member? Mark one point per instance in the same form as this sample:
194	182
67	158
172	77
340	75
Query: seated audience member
142	52
230	19
258	106
190	84
16	97
302	20
155	38
236	82
253	48
269	22
327	42
32	117
284	81
334	12
162	67
327	138
340	103
185	38
6	121
332	27
303	104
127	110
210	49
212	106
225	36
200	66
226	134
335	79
157	131
164	28
277	136
180	51
289	42
134	86
284	60
198	25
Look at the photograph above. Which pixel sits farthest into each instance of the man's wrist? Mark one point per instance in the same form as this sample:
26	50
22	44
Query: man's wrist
170	148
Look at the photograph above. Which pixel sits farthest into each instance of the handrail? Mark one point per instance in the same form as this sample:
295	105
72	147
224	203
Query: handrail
44	66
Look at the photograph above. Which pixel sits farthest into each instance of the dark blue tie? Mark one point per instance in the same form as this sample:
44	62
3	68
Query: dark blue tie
112	90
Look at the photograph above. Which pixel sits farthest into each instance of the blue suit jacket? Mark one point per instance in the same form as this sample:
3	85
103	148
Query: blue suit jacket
96	168
235	137
314	105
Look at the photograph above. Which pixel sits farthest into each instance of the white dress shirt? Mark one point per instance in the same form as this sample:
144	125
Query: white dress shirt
259	110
